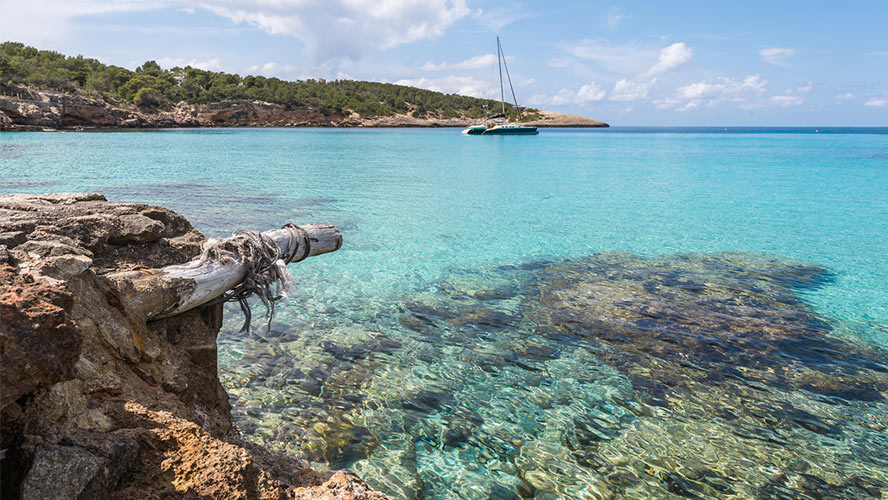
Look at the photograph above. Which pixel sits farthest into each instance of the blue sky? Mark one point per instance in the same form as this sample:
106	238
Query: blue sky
627	63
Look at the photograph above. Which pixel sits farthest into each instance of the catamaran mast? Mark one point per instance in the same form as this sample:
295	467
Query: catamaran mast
500	62
508	77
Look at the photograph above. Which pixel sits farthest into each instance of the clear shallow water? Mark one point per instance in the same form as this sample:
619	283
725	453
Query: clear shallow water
424	354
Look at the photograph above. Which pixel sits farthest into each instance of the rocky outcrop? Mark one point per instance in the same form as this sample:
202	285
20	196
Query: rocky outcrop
34	110
42	110
256	114
38	110
98	403
546	119
552	119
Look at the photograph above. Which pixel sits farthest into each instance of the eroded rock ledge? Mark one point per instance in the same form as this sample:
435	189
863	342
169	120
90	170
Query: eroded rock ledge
98	403
33	110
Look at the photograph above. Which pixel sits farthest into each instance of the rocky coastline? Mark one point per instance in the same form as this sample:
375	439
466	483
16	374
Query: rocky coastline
98	402
31	110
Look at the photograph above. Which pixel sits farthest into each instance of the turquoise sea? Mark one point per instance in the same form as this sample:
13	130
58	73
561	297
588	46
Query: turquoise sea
627	312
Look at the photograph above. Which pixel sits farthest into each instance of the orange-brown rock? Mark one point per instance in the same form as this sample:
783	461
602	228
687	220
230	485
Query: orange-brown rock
39	342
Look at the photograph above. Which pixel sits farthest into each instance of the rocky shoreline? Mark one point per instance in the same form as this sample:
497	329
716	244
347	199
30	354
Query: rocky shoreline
31	110
96	401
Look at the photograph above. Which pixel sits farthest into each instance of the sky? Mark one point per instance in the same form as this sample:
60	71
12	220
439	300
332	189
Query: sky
680	63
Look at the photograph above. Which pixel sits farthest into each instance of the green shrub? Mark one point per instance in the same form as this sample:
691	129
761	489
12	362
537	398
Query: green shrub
152	87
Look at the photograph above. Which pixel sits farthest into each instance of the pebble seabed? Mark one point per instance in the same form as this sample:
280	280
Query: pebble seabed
614	375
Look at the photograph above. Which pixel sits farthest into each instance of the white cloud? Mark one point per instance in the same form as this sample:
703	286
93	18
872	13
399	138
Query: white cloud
792	97
208	65
787	100
344	29
629	58
616	58
845	96
483	61
463	85
777	55
558	62
877	102
636	89
497	19
273	68
631	90
329	29
563	97
745	93
614	16
49	21
293	72
539	100
723	86
671	57
591	92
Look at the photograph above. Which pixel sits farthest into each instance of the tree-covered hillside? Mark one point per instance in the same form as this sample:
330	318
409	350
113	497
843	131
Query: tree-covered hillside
151	87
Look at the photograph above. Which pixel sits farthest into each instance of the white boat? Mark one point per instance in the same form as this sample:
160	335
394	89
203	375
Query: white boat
498	124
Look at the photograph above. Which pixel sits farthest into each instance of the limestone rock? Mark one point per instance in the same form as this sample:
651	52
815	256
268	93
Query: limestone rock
136	228
66	266
60	472
38	248
25	112
5	121
12	238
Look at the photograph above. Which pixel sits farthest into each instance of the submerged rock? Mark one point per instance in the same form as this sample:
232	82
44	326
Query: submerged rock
675	323
732	378
611	376
722	344
99	403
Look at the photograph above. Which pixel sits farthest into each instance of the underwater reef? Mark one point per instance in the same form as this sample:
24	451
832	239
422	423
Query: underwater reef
610	376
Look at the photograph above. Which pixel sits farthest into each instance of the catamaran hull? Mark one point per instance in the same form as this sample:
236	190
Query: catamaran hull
511	131
499	130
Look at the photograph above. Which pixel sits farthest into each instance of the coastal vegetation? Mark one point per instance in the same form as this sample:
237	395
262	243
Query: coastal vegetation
152	88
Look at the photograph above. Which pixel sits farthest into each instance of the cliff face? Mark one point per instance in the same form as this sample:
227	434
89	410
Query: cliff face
98	403
53	111
33	110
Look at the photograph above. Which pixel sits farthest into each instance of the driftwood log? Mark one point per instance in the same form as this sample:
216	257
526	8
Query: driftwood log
167	291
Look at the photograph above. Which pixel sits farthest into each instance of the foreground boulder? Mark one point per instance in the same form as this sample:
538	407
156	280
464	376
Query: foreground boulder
96	402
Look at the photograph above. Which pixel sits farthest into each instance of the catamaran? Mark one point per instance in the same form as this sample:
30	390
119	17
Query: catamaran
498	124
